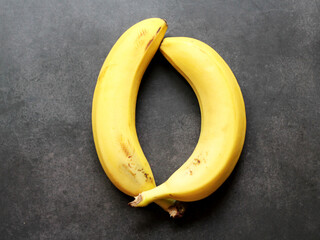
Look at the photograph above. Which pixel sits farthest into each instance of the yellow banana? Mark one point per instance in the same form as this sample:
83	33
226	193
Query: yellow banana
113	110
223	123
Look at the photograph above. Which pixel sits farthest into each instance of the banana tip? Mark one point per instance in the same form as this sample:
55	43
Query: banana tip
136	201
165	20
177	211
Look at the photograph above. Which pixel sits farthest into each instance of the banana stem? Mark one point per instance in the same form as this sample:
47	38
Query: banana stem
174	208
159	195
147	197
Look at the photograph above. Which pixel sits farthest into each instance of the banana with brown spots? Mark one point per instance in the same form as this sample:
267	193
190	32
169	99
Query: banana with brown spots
113	110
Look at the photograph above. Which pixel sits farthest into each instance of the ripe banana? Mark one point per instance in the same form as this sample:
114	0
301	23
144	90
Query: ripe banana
223	123
113	110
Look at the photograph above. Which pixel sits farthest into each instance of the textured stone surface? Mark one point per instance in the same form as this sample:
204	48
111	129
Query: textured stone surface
51	182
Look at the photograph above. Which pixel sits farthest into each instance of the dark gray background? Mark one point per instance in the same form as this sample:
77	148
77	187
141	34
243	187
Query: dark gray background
51	182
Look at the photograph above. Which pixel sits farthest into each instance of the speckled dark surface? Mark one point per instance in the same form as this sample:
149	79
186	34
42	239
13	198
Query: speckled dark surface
51	182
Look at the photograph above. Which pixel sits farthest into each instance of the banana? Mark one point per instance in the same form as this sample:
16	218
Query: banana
113	110
223	123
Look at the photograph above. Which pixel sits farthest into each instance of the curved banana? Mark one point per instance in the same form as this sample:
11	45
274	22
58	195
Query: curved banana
113	110
223	123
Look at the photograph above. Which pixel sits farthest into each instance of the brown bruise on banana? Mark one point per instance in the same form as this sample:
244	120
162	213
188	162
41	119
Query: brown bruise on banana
195	162
131	166
147	177
140	40
142	32
148	44
125	149
151	40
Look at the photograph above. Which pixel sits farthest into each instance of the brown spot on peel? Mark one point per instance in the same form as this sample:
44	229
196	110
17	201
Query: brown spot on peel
131	165
143	32
125	149
146	175
158	29
196	161
192	166
149	43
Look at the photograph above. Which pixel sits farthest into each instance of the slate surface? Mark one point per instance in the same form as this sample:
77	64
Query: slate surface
51	182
